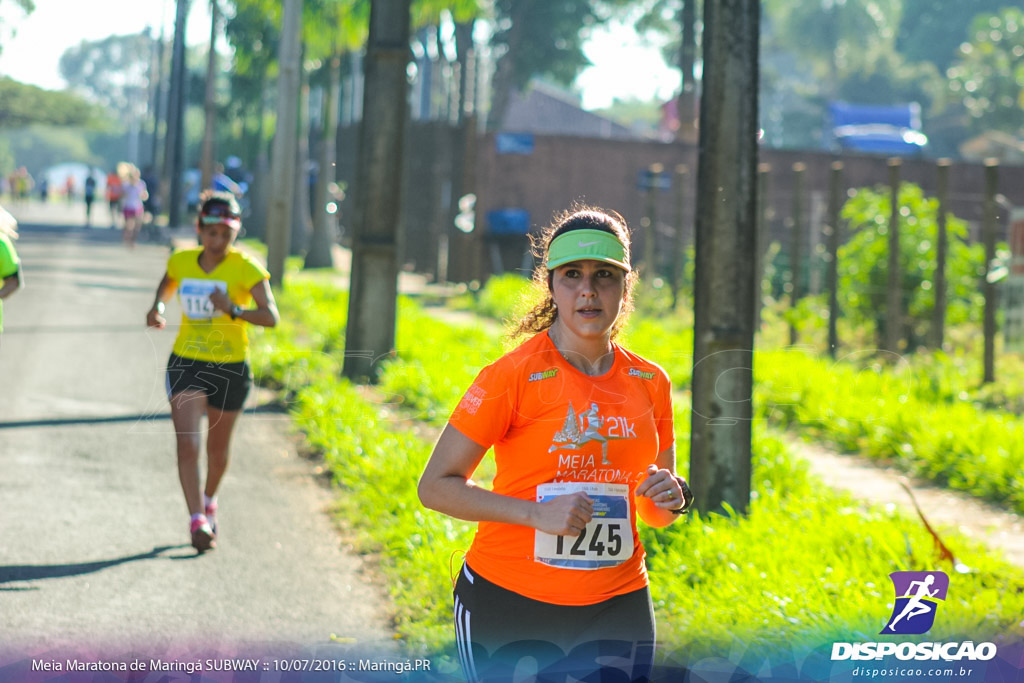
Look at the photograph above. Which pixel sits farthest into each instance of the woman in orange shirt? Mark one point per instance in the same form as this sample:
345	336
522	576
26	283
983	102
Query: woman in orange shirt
583	442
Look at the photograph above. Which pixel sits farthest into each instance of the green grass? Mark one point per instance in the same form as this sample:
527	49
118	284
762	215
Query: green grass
882	415
805	566
925	413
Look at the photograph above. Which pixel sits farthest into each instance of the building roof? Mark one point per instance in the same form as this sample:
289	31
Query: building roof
546	110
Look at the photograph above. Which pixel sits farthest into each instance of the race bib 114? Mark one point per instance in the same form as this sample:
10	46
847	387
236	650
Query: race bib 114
195	294
606	541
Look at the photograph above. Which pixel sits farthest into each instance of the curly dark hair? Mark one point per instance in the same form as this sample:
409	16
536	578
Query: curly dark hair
580	217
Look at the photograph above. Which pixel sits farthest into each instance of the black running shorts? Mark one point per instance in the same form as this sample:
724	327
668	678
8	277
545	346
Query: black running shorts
226	385
497	630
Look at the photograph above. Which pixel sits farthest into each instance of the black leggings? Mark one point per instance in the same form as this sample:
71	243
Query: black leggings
497	630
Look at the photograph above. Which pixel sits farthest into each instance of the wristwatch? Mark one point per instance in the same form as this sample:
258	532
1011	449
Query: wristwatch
687	500
236	311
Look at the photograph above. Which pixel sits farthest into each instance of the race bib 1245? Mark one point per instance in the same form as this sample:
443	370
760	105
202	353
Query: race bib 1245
606	541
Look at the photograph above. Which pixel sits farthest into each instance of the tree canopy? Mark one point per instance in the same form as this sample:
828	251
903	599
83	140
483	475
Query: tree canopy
23	105
988	77
27	6
112	71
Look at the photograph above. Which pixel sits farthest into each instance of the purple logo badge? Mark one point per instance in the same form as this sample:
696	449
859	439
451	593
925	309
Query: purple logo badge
917	598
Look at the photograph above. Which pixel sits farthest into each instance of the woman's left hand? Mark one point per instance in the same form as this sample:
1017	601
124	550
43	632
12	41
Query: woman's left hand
665	490
221	301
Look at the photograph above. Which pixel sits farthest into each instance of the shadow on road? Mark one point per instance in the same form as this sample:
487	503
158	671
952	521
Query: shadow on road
81	329
266	408
34	230
67	421
36	572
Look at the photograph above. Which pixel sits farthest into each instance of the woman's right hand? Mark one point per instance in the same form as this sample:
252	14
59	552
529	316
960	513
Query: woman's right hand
154	319
564	515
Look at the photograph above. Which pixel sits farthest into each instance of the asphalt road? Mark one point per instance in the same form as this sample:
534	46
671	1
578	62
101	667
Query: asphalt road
94	545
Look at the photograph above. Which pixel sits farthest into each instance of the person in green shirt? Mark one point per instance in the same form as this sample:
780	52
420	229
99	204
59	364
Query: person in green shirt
10	265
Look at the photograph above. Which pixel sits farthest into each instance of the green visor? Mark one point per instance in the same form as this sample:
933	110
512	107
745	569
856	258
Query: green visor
586	245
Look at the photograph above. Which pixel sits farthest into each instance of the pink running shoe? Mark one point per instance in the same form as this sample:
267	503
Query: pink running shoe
211	516
203	538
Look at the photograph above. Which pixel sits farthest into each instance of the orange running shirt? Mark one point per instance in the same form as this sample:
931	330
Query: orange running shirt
556	428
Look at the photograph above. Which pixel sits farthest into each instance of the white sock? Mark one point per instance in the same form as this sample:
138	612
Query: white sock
209	500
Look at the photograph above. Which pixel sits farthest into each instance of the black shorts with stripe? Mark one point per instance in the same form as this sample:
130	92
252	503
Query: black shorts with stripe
497	630
226	385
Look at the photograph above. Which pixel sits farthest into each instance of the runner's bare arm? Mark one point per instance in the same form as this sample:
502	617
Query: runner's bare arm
652	494
446	486
265	314
155	317
11	284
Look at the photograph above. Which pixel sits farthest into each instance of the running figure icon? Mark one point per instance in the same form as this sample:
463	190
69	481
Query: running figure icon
916	605
570	436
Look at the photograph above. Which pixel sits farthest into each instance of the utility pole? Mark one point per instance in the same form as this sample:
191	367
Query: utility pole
726	252
282	162
174	156
373	291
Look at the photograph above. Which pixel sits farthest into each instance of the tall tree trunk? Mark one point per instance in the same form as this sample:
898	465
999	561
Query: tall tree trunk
798	239
726	246
258	195
835	205
210	102
464	51
374	281
159	104
282	170
686	104
501	86
174	156
988	287
941	249
894	292
424	90
459	243
302	222
152	120
324	228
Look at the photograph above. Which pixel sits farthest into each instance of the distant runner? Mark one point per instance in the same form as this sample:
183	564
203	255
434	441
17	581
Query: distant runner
583	442
114	192
133	194
89	196
208	371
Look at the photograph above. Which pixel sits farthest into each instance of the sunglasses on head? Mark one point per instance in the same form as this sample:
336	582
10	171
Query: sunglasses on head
219	211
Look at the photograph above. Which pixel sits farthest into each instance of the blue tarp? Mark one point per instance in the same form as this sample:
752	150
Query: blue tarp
892	129
508	221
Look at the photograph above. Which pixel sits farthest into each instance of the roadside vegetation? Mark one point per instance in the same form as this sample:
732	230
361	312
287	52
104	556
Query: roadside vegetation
806	566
